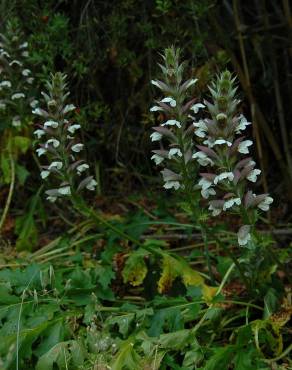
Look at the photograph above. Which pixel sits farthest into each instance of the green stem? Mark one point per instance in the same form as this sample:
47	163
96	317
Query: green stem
235	261
11	189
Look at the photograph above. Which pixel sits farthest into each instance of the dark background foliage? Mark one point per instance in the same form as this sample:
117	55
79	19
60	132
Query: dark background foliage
110	50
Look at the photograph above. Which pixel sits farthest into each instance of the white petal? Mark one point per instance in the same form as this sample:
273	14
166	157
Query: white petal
169	100
82	167
69	108
205	184
54	142
173	152
41	151
172	122
222	176
39	133
157	159
195	108
65	190
172	184
77	148
155	109
155	136
91	185
17	96
243	146
57	164
73	128
222	142
252	176
45	174
52	124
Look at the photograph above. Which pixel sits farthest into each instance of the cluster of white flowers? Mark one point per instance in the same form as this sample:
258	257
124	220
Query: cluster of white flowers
229	174
15	78
60	145
173	134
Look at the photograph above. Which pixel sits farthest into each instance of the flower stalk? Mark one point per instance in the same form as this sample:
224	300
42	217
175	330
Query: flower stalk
175	135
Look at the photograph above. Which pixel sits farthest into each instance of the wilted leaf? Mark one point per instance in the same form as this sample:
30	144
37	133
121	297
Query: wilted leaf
135	268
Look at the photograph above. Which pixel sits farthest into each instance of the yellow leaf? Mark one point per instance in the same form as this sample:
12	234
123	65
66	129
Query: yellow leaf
208	292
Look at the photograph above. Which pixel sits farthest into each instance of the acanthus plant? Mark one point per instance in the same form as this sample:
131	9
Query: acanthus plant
16	84
59	143
175	134
225	153
16	100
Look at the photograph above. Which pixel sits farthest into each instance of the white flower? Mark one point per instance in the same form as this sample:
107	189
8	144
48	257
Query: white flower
39	112
173	152
191	82
54	142
230	203
64	190
242	124
223	176
215	211
209	142
243	146
25	54
195	108
207	192
203	159
201	128
57	164
204	183
73	128
26	72
51	198
16	121
2	106
157	159
34	103
4	54
45	174
23	45
155	136
39	133
252	176
172	122
265	204
169	100
52	124
156	108
222	142
77	148
30	80
17	62
172	184
68	108
91	185
243	235
81	168
17	96
155	83
5	83
41	151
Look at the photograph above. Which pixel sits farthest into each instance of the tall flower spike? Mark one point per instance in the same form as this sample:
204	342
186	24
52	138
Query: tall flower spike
175	132
226	185
59	143
16	78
